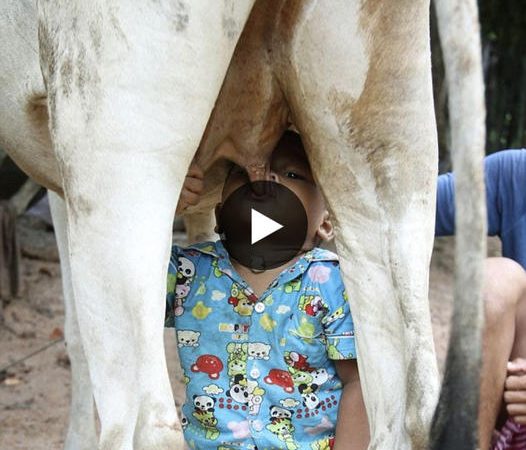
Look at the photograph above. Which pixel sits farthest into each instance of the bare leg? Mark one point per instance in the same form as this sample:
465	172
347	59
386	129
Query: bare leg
504	336
81	433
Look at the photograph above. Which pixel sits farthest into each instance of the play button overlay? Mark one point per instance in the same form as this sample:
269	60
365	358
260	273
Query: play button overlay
263	225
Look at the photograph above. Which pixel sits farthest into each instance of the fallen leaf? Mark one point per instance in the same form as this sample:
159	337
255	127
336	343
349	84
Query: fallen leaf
57	333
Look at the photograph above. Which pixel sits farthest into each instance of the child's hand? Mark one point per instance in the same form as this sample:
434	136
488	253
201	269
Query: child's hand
515	390
193	186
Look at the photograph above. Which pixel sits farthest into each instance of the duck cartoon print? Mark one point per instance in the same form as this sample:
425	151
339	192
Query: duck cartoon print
242	303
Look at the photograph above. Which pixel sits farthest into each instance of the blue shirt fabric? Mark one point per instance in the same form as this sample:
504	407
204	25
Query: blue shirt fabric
259	372
505	177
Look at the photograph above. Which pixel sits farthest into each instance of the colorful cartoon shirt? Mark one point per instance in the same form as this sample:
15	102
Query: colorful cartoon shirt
259	371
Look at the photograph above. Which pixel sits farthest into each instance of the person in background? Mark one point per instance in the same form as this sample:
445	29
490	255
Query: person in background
504	352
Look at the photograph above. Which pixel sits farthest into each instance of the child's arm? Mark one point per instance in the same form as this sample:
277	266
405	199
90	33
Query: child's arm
515	390
352	429
193	186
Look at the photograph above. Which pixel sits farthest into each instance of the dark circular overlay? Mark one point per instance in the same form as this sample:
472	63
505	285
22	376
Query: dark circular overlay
275	202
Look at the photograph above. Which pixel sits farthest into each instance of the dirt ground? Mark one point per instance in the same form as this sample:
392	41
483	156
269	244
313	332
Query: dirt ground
34	394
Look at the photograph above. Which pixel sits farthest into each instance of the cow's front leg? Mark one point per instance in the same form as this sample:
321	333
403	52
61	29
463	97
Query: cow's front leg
119	235
366	117
81	434
129	97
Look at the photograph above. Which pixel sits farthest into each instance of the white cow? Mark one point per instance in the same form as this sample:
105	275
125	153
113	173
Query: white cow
126	90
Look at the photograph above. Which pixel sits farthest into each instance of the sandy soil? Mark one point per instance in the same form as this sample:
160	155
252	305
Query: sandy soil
34	395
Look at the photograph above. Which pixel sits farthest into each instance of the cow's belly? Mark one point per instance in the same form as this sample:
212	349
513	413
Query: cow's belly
24	132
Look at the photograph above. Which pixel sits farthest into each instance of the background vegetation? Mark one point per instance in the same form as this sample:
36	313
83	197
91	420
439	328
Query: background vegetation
503	30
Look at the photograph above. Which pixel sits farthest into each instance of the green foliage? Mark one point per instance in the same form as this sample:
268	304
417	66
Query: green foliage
503	32
503	29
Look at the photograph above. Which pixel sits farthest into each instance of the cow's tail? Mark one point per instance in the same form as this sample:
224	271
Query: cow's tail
455	421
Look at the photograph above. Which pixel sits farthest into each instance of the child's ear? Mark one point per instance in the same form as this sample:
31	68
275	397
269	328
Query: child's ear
217	209
325	230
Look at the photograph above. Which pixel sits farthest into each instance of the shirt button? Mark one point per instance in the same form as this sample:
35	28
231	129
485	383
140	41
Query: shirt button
260	307
254	373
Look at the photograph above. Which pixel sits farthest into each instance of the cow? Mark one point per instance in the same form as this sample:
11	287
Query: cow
106	103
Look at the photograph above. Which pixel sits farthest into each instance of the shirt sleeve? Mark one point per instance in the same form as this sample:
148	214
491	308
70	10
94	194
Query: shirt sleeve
445	211
445	206
505	183
337	321
505	178
171	281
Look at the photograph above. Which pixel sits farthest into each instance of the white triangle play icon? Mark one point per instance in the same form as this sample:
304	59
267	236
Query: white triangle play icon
262	226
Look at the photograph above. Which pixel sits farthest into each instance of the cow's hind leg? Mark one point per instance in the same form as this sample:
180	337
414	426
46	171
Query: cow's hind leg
129	98
360	92
81	434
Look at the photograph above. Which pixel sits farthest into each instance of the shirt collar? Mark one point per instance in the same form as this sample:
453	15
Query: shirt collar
220	254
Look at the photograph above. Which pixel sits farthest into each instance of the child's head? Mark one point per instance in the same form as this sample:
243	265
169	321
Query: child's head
290	167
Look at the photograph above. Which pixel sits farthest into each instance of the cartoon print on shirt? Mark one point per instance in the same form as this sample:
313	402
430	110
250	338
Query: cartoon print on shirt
292	286
305	330
237	359
213	389
209	364
310	399
200	311
239	331
333	352
336	315
204	402
323	444
320	376
312	305
277	412
217	270
282	427
204	413
245	391
307	384
280	378
267	323
323	426
306	378
258	350
188	338
185	276
240	429
289	402
225	445
243	304
299	377
298	361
